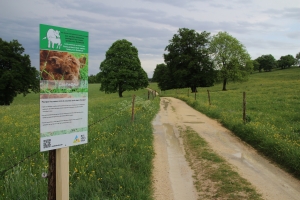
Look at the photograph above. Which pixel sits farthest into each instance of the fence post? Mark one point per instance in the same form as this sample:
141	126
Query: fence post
244	107
208	97
52	175
62	173
132	110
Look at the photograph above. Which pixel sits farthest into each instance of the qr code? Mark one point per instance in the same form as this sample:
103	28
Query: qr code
83	138
47	143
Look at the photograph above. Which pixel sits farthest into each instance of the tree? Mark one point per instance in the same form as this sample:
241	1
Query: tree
230	57
94	78
161	75
188	60
298	58
266	62
121	70
256	66
16	74
286	61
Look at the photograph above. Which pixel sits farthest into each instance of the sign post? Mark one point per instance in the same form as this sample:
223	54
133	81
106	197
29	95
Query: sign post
63	99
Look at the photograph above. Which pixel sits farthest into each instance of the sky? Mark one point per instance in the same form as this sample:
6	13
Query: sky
262	26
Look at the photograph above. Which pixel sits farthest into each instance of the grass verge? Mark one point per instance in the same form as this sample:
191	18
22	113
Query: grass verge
115	164
214	177
273	126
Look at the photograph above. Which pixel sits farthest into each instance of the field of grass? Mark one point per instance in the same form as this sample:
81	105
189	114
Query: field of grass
115	164
273	106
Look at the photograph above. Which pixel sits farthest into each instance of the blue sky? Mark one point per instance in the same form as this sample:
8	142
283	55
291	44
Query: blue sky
262	26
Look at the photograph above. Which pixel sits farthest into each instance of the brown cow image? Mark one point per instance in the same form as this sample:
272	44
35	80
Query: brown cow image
55	65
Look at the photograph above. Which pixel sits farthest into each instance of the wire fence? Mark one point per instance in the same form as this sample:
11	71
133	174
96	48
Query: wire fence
32	189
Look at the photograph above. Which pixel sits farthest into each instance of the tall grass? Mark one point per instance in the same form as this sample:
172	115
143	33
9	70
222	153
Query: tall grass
115	164
273	104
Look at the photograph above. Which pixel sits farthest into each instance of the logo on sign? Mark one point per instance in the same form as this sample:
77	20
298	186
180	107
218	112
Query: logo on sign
53	38
76	140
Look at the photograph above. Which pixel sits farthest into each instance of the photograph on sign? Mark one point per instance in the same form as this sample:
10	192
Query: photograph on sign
63	87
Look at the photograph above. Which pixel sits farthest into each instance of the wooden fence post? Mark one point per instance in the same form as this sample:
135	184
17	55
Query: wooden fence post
132	109
62	173
52	175
244	107
208	97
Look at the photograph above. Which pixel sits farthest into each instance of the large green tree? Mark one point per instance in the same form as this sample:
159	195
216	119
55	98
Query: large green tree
94	78
266	62
121	70
17	76
230	57
161	75
188	60
286	61
256	66
298	58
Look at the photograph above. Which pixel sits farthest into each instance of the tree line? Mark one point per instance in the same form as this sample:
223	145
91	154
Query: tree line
197	60
192	60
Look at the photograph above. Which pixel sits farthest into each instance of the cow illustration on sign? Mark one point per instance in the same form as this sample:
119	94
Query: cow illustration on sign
53	38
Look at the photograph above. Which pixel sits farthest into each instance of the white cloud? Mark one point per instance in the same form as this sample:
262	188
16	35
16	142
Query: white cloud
264	27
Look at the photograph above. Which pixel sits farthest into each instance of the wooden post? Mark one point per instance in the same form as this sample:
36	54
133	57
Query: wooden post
208	97
52	175
244	107
62	173
132	110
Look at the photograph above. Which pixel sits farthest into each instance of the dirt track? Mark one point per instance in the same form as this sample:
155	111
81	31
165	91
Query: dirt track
173	176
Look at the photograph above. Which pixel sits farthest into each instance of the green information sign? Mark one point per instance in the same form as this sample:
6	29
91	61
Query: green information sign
63	39
63	87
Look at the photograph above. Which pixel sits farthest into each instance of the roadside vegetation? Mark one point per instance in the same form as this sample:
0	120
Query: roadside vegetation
214	177
115	164
273	105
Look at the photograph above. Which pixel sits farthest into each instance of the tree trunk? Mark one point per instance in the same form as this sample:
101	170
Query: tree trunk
224	84
120	90
194	89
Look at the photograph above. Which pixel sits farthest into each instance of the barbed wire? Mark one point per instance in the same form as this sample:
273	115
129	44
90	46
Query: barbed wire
36	152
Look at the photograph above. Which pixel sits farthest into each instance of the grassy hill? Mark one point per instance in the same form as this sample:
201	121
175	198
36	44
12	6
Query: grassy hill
273	112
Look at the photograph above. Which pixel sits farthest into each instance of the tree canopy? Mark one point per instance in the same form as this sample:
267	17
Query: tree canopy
230	57
298	58
121	70
162	77
17	76
188	62
266	63
94	78
286	61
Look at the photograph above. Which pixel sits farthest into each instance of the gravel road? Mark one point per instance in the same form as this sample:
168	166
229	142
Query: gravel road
172	175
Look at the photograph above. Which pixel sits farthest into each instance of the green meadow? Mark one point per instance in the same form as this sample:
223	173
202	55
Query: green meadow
272	108
115	164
